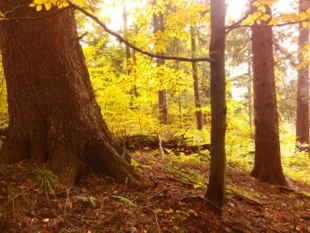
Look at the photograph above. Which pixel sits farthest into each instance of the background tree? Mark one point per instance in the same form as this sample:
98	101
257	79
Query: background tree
302	116
159	27
199	118
53	115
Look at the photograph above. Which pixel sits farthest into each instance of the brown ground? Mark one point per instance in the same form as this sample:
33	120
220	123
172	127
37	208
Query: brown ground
166	202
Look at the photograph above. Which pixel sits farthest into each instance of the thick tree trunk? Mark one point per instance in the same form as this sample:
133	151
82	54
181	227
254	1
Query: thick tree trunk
302	113
199	117
267	166
53	114
216	187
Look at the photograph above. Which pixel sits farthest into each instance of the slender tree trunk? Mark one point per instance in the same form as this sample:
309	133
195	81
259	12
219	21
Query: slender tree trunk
158	21
267	165
302	113
196	82
216	187
126	36
130	58
53	114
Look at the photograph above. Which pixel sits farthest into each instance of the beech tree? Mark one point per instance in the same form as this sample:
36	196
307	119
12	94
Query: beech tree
216	187
267	166
53	114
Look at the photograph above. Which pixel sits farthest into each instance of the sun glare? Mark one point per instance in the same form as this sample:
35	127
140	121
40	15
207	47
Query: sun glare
236	8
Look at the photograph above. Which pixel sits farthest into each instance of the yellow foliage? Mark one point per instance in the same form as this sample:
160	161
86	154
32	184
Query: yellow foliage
274	21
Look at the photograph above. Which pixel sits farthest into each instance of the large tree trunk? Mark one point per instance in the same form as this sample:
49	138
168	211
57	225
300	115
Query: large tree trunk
216	187
250	97
302	113
53	114
267	166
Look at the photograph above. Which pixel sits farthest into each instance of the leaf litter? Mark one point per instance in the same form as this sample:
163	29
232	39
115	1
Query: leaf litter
169	199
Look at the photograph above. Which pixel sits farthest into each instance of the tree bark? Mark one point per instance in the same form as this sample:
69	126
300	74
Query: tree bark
158	21
250	97
53	114
302	113
216	187
267	166
199	118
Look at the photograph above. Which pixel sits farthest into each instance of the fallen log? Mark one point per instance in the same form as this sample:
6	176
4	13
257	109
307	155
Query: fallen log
177	145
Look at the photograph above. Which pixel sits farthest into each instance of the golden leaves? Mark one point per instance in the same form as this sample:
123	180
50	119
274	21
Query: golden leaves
38	4
2	16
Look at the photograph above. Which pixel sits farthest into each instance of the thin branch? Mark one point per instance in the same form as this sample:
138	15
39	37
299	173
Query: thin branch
39	17
237	24
287	55
11	11
121	39
278	25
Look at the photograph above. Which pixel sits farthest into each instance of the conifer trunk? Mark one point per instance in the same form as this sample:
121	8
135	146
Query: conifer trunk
302	113
53	114
267	166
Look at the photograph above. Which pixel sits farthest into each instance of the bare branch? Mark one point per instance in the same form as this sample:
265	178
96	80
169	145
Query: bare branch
237	24
11	11
37	17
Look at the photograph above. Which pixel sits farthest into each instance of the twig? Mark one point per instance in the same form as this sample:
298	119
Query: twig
39	17
158	193
158	227
189	182
218	209
236	24
11	11
65	210
18	195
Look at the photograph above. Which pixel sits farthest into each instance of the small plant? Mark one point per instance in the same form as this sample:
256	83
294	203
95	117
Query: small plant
91	200
124	200
46	180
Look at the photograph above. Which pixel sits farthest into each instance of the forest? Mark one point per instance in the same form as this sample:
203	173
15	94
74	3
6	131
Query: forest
154	116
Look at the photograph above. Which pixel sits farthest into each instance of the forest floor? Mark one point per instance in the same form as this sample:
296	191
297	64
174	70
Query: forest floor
170	199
